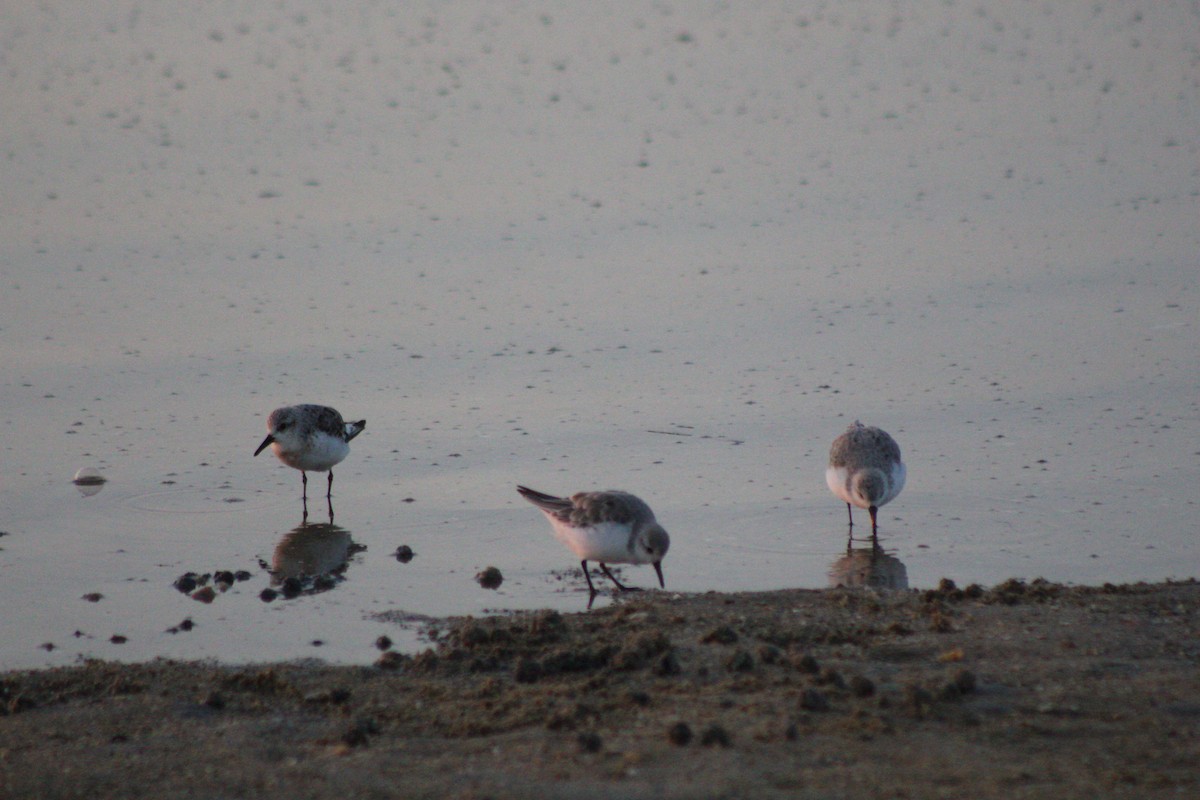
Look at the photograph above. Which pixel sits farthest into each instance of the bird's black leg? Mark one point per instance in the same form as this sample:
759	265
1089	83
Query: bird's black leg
329	491
587	577
621	586
850	514
874	529
304	485
329	500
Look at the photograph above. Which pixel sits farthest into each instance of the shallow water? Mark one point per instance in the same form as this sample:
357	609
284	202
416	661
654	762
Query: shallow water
675	253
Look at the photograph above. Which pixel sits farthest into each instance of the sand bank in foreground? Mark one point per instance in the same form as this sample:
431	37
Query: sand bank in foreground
1022	690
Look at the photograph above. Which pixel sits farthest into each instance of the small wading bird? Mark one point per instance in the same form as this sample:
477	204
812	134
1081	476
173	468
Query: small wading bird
607	527
865	470
310	438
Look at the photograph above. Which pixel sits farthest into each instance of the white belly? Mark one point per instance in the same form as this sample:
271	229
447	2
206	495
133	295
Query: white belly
607	542
322	453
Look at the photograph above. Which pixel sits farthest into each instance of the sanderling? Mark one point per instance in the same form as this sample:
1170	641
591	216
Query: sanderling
865	469
608	527
310	438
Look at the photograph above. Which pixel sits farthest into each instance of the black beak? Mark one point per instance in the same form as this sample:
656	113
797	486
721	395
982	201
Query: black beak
265	442
658	569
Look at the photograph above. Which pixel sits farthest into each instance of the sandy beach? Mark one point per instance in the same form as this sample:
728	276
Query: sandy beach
1025	689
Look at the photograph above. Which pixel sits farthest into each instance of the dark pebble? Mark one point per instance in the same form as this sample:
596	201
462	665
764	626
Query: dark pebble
721	635
680	734
267	595
205	595
807	664
186	583
715	735
740	661
814	700
527	671
241	575
291	587
117	638
391	660
490	578
224	576
358	734
186	625
590	742
93	597
861	687
383	643
831	677
404	554
667	665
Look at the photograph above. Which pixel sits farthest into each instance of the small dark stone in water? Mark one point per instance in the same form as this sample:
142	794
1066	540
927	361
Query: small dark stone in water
404	554
267	595
241	575
93	597
490	578
680	734
383	643
47	646
187	625
318	643
715	735
590	742
291	587
118	639
223	576
89	476
186	583
204	595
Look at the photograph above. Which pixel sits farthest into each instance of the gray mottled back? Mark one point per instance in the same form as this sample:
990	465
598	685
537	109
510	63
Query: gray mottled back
863	446
308	420
593	508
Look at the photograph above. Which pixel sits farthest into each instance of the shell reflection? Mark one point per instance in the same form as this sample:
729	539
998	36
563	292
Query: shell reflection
89	481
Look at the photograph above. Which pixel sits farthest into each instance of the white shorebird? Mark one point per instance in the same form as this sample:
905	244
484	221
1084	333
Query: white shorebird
865	469
310	438
607	527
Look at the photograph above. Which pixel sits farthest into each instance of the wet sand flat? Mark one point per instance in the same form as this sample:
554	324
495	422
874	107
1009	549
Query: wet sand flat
1021	690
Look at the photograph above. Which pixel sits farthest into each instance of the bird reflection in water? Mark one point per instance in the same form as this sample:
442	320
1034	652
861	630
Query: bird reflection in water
868	567
312	558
